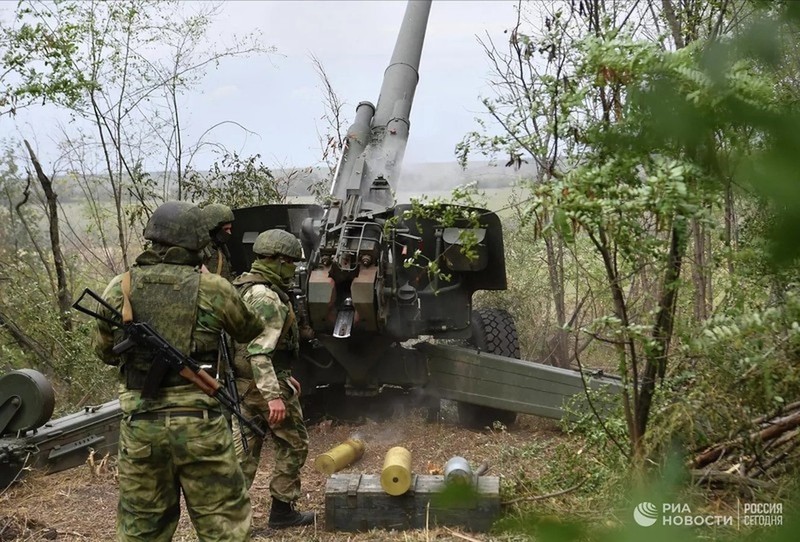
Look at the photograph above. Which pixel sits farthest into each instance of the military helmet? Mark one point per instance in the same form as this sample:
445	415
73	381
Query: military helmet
178	223
278	243
216	215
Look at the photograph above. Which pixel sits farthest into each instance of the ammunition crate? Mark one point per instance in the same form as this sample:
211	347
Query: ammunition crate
357	502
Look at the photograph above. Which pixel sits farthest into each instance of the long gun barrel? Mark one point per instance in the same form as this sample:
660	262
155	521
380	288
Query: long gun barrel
376	142
142	334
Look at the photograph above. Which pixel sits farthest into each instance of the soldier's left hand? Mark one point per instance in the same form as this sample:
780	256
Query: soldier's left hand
277	412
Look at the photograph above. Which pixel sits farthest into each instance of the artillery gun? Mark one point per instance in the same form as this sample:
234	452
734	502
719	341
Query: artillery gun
361	295
360	291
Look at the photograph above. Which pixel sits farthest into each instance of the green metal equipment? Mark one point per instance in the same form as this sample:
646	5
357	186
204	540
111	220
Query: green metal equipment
28	440
360	299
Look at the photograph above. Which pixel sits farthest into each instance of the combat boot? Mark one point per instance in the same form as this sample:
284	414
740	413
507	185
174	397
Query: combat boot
284	515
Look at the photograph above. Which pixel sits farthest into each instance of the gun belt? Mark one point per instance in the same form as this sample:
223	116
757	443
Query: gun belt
164	414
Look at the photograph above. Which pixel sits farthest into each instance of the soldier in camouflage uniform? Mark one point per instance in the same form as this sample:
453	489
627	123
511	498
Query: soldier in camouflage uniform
217	256
217	259
178	440
270	395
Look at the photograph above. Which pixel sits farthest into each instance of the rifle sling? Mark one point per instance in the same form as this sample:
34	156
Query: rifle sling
127	310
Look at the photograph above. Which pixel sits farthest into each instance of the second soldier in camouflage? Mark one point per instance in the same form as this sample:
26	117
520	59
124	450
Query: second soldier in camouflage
269	393
217	256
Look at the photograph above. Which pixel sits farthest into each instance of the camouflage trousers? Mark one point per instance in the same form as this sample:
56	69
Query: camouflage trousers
160	458
290	441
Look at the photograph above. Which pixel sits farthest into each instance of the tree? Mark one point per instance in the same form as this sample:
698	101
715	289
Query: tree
236	182
333	138
638	143
62	288
121	70
533	81
130	61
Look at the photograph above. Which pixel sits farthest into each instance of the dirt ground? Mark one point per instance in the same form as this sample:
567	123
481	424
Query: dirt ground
80	504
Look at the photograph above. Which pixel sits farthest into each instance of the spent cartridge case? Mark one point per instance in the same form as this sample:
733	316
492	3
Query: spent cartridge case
457	471
339	457
396	472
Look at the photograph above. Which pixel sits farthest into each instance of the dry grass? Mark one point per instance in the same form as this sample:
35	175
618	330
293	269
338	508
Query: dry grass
80	504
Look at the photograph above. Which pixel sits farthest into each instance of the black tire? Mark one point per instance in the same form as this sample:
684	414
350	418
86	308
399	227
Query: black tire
493	331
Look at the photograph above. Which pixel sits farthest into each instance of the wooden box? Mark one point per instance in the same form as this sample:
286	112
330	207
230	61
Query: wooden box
357	502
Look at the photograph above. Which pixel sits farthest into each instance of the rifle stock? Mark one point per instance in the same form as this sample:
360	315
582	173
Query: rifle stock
142	334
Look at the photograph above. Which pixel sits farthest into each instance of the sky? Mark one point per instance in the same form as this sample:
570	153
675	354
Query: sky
280	99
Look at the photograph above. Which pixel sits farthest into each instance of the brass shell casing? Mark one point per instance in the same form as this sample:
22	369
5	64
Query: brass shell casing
340	456
396	472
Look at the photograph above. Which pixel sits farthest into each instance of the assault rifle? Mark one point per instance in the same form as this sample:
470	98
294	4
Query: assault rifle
230	380
168	357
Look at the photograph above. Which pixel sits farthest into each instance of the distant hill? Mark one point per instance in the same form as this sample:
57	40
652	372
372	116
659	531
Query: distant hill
417	178
432	176
444	176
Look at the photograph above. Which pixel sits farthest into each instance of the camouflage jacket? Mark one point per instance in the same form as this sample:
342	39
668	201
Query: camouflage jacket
218	307
218	261
266	359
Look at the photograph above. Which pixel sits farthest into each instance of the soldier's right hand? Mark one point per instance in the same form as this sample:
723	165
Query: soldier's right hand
277	412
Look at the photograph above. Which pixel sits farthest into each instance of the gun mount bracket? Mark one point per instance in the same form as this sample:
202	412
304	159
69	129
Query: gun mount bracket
26	401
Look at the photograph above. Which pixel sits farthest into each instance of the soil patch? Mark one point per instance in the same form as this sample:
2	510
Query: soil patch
80	504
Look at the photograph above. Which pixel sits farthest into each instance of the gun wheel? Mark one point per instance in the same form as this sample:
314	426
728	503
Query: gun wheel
493	330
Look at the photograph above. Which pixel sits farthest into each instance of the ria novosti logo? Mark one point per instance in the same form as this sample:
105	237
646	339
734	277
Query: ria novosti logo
645	514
